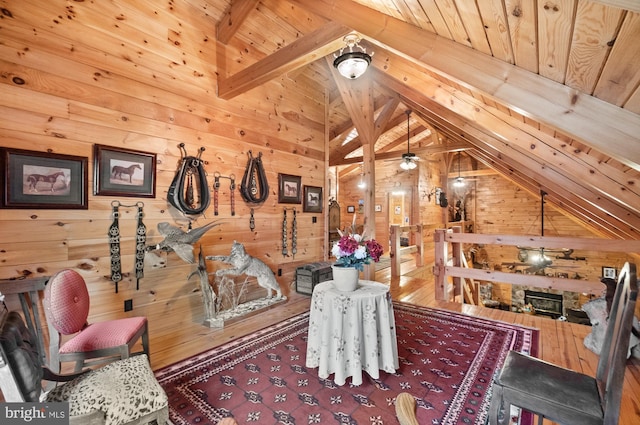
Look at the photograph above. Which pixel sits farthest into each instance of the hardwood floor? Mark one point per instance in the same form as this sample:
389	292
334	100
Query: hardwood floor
560	342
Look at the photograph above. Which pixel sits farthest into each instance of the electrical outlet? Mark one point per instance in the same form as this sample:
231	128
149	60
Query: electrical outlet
128	305
314	219
279	272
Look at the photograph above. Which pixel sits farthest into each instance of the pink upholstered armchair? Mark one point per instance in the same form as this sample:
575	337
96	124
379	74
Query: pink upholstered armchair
66	304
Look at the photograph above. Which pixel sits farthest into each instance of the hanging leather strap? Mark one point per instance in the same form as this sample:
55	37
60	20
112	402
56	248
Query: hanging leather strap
114	246
294	235
232	191
216	189
141	240
254	188
284	235
183	198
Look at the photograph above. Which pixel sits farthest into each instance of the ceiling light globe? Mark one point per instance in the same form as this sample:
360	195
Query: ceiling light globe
408	165
459	182
352	64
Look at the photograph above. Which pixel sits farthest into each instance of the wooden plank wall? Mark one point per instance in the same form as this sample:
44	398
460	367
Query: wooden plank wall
143	77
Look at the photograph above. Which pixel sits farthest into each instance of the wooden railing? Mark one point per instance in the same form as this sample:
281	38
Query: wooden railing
396	252
449	261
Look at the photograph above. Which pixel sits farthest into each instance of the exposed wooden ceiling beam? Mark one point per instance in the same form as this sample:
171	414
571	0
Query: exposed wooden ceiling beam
383	119
633	5
598	124
513	134
357	96
338	154
499	147
426	151
599	224
233	18
315	45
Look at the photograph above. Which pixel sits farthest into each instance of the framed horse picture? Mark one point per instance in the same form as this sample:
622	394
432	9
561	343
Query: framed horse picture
312	199
124	172
289	189
43	180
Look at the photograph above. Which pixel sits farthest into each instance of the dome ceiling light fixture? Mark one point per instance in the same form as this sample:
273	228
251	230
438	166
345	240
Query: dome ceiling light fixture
408	159
352	64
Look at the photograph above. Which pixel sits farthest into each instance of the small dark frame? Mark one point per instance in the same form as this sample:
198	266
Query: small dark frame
312	199
351	208
609	272
289	189
124	172
43	180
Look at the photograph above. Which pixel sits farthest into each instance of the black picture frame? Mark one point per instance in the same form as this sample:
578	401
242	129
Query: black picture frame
289	189
351	208
43	180
124	172
609	272
312	199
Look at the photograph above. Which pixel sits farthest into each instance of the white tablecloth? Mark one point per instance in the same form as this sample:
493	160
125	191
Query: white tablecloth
351	332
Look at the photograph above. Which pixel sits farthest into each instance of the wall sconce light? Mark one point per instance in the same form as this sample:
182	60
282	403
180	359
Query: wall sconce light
352	64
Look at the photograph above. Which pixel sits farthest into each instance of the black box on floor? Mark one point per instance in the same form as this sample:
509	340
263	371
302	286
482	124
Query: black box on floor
310	275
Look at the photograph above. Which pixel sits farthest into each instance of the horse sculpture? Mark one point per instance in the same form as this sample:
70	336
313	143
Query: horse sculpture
34	179
117	171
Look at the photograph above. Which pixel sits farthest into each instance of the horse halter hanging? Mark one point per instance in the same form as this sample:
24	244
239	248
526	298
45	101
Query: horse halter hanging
254	188
190	180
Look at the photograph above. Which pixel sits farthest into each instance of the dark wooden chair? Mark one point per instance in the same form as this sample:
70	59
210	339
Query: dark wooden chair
122	392
566	396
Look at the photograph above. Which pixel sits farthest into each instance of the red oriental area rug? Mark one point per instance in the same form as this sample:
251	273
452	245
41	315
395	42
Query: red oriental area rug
447	362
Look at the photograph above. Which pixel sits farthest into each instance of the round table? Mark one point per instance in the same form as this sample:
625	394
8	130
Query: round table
351	332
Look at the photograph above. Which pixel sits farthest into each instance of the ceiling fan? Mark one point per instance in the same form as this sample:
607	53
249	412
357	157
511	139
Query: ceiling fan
409	159
539	260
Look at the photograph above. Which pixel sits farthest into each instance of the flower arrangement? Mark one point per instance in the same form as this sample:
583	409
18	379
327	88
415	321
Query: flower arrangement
354	250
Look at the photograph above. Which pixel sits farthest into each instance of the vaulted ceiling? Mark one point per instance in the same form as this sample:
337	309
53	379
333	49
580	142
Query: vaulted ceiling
544	92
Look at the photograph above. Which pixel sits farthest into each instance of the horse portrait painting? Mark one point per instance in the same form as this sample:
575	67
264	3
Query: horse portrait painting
45	181
124	173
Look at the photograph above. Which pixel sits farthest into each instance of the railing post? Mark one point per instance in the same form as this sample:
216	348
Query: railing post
439	264
394	236
456	252
420	246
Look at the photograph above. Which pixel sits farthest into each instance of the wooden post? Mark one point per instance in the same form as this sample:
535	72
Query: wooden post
456	251
440	263
420	246
394	254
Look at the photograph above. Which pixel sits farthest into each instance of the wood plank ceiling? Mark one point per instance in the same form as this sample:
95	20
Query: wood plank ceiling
544	92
